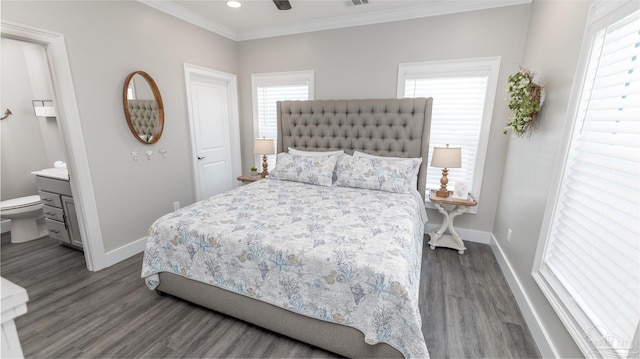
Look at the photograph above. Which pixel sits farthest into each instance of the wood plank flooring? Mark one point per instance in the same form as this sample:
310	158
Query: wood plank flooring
467	308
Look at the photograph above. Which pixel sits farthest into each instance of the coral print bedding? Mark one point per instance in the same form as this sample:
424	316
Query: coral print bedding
345	255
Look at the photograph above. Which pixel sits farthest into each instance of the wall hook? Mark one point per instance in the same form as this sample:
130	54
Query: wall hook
7	113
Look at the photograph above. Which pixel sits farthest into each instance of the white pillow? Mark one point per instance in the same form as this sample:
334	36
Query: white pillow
414	175
308	169
377	173
293	151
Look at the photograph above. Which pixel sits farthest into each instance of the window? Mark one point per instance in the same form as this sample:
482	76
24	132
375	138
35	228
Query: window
463	93
588	262
131	91
269	88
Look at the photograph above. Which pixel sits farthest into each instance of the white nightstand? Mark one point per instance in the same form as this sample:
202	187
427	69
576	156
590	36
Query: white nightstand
453	240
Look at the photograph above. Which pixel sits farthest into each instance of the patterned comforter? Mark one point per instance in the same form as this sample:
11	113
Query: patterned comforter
344	255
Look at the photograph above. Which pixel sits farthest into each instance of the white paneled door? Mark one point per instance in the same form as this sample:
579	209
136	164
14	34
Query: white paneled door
212	100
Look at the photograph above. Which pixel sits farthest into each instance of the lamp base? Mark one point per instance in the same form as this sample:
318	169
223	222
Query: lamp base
442	192
264	172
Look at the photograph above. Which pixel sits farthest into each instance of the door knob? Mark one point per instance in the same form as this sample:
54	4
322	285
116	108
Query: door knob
201	158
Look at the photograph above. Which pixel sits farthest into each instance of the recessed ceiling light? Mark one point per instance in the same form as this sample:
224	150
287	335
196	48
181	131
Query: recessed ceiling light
234	4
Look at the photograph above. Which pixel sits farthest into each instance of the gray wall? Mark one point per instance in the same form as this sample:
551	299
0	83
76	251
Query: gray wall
106	40
28	143
552	52
362	62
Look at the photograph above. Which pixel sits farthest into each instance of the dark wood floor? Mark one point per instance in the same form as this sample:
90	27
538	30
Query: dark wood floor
467	308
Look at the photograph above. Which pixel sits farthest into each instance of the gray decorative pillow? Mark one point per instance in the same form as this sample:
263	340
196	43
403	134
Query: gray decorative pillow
391	175
308	169
414	175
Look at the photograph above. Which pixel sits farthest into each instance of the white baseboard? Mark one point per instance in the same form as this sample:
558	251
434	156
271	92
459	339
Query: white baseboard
539	333
124	252
470	235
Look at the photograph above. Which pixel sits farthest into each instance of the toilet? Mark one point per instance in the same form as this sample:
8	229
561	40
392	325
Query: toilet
25	214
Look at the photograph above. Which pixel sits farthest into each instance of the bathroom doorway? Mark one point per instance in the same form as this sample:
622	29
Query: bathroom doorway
28	143
68	121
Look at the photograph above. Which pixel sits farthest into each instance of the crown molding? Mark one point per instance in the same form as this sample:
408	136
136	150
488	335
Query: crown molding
432	8
174	9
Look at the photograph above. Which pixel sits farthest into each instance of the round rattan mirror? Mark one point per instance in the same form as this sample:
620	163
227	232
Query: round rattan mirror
143	107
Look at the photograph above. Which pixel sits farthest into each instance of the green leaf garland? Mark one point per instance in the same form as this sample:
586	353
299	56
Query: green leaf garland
524	103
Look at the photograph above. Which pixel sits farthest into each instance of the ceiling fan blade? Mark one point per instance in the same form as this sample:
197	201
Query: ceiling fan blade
282	4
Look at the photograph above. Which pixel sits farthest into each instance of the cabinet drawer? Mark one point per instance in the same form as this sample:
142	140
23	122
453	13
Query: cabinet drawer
53	213
50	199
57	230
53	185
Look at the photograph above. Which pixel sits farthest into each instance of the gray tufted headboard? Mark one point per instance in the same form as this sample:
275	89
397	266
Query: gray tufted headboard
383	127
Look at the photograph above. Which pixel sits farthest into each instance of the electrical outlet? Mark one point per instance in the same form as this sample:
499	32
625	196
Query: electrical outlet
509	233
176	205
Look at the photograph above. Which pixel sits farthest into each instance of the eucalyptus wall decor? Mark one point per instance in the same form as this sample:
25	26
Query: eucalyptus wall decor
524	102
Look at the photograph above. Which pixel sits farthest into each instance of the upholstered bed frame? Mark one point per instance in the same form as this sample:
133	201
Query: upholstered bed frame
385	127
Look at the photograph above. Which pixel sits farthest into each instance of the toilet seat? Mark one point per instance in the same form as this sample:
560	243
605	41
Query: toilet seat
21	202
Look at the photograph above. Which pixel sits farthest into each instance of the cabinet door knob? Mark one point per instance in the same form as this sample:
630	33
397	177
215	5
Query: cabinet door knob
201	158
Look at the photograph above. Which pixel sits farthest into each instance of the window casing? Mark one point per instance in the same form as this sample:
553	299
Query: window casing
455	122
267	89
588	259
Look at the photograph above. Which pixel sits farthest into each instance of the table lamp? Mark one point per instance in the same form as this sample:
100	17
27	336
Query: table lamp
264	147
445	158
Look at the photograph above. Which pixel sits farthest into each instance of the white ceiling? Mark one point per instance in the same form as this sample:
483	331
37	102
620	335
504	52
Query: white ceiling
260	18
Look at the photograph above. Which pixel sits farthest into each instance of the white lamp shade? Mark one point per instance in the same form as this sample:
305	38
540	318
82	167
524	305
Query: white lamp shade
263	146
447	157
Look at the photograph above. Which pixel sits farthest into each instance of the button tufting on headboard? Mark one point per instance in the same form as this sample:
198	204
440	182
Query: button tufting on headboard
144	116
386	127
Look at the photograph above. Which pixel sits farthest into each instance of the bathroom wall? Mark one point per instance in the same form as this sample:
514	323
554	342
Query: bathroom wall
28	143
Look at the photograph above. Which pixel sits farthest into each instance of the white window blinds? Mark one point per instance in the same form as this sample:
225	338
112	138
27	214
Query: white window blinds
591	263
453	121
267	97
463	92
270	88
131	91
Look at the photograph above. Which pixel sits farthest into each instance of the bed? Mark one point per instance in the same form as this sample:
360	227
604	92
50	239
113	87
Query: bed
329	255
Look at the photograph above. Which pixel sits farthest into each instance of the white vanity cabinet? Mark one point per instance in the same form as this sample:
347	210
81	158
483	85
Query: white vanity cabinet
59	210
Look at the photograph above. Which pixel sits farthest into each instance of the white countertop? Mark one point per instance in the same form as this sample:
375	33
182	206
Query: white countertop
56	173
